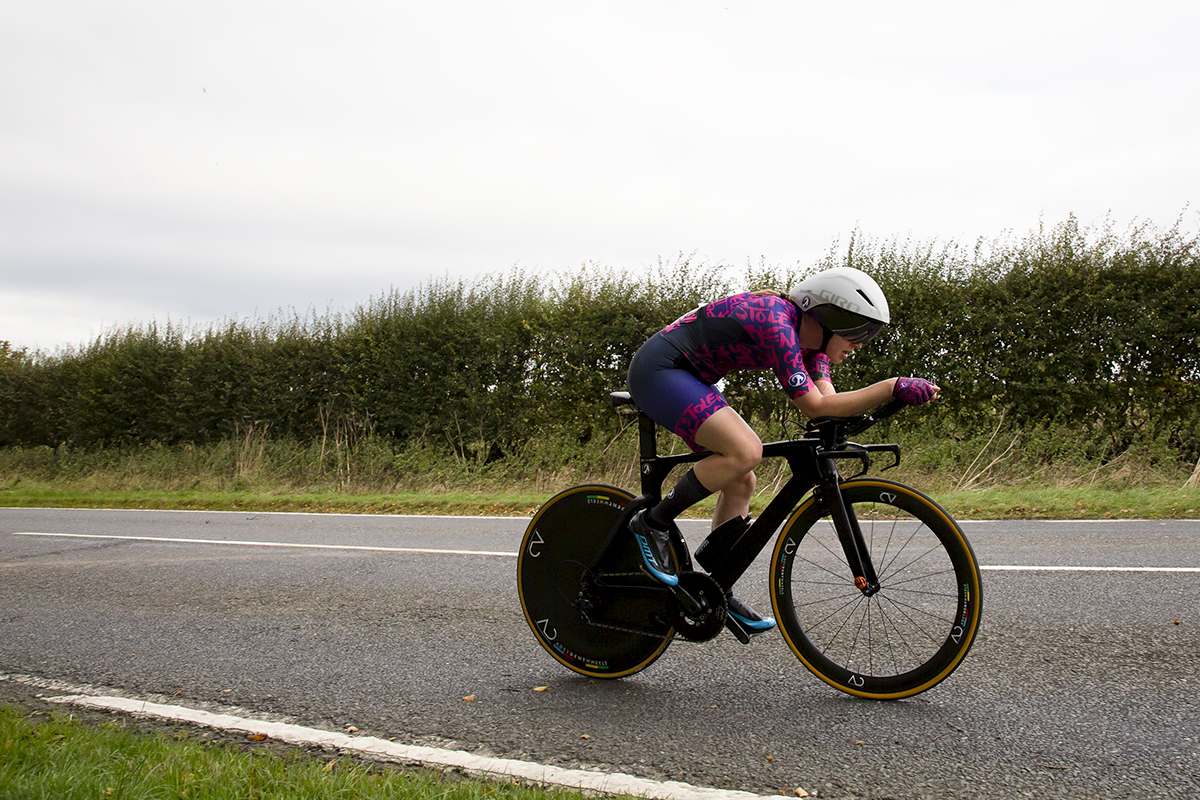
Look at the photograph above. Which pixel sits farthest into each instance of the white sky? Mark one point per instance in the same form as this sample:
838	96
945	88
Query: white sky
192	162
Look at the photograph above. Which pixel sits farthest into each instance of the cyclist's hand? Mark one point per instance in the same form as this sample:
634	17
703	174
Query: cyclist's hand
915	391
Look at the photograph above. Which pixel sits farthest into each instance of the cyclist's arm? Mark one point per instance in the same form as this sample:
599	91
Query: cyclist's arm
844	404
818	367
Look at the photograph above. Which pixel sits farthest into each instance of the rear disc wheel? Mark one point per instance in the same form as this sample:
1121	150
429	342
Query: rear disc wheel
602	626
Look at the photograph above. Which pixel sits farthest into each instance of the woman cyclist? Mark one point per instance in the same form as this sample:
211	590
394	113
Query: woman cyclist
823	320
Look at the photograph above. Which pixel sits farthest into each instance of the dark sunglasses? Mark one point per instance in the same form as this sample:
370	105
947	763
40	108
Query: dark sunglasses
852	327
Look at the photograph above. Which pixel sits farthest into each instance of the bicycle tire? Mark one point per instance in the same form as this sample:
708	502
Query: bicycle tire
561	540
915	630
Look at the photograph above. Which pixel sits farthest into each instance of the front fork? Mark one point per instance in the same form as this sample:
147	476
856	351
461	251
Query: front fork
858	557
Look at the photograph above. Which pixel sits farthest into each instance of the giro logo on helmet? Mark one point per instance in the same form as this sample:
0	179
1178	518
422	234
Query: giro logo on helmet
830	298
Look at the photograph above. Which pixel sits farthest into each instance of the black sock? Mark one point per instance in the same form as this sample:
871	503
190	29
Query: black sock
686	494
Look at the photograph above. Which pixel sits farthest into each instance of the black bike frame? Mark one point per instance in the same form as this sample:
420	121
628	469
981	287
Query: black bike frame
813	465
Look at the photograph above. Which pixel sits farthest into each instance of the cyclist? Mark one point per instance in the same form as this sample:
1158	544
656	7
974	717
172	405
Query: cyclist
822	321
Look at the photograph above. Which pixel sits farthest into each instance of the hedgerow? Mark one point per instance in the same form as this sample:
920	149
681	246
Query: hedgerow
1068	327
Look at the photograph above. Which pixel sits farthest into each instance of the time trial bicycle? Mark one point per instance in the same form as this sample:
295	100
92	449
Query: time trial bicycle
874	586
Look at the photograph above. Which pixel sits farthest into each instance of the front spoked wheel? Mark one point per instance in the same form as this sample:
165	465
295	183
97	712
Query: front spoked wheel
909	635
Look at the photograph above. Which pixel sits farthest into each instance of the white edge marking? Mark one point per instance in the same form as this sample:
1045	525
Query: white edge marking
374	747
294	545
1020	568
506	554
260	513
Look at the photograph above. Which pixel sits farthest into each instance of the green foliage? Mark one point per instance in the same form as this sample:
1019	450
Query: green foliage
1074	327
1069	327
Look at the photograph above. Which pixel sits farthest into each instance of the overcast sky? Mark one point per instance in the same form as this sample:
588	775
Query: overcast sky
195	161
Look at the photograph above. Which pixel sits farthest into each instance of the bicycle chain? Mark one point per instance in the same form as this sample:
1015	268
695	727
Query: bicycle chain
674	634
621	628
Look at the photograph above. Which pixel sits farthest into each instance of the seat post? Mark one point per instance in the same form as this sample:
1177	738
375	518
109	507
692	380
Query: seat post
647	437
648	450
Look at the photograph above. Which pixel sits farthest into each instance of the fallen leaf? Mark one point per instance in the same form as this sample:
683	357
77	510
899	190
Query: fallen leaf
585	736
770	758
469	698
544	688
800	792
351	729
258	737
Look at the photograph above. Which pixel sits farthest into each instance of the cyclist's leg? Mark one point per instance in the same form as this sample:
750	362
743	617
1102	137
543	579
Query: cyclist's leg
729	470
679	401
737	450
697	412
734	501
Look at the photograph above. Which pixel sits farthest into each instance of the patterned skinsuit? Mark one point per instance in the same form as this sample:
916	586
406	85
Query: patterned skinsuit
671	377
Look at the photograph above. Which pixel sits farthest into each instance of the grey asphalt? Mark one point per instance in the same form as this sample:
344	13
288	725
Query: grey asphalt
1081	684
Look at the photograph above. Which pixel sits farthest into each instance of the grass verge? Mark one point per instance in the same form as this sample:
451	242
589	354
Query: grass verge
53	756
1053	474
1020	502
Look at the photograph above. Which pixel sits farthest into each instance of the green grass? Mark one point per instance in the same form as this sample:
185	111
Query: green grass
34	495
1025	503
1018	502
49	755
1054	473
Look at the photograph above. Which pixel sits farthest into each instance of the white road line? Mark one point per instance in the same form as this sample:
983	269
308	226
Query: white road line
261	513
506	554
296	545
373	747
1020	568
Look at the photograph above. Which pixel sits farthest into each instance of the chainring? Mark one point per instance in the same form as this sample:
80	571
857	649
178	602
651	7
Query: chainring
711	619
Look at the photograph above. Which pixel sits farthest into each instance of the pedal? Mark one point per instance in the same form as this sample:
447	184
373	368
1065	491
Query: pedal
736	629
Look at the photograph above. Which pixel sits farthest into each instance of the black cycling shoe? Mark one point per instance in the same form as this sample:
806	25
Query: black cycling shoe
655	547
750	619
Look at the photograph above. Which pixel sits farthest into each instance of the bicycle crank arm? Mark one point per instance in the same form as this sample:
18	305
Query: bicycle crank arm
690	605
736	629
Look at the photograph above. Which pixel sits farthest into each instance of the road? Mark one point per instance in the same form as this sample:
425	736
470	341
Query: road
1082	683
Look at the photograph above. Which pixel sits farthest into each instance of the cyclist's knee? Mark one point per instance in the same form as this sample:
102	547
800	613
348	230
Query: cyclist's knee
727	434
743	487
747	455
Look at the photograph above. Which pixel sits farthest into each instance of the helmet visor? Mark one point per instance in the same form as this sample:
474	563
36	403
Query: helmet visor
850	326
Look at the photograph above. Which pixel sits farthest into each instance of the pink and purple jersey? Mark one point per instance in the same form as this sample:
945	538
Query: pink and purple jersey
747	331
672	376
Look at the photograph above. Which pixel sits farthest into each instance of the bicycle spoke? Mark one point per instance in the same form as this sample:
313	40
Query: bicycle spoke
841	576
900	638
903	609
817	624
933	548
887	567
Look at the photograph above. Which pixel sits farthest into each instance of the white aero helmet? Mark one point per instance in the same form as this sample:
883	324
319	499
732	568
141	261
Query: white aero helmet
846	301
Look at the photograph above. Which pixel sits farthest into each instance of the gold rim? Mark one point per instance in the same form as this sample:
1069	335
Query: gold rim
974	602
